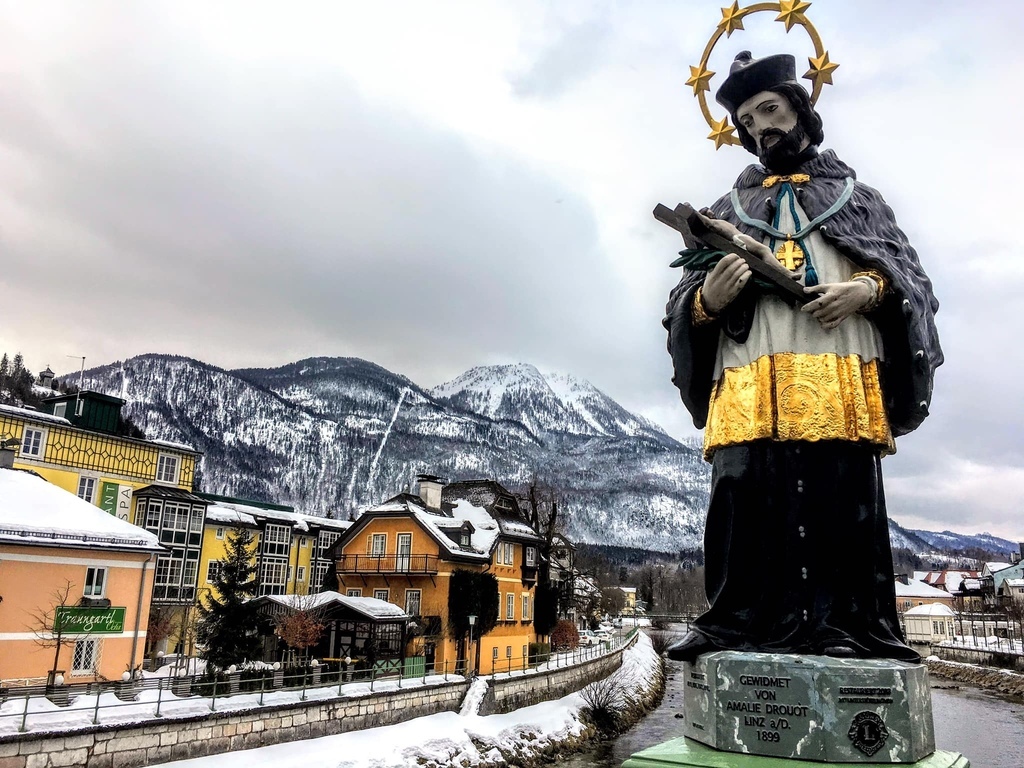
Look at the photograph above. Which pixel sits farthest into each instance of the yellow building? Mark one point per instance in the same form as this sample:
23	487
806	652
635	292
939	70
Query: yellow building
290	551
74	444
75	585
405	550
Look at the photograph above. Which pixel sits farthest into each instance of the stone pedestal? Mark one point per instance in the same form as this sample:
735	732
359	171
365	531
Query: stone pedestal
809	707
686	753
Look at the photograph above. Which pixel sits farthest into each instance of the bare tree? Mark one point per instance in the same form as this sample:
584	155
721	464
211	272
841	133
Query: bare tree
48	629
302	627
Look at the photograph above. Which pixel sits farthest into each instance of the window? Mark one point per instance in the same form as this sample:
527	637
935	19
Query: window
531	556
273	575
290	569
412	602
326	541
213	570
151	515
60	409
95	581
220	533
277	540
464	539
167	468
319	571
303	541
354	593
494	653
87	489
378	544
526	650
508	651
33	442
86	657
526	607
510	607
301	574
380	594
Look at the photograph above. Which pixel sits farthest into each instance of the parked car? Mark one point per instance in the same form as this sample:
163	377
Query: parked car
588	638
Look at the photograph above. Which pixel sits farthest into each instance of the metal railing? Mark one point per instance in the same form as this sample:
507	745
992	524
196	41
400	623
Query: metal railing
387	564
48	707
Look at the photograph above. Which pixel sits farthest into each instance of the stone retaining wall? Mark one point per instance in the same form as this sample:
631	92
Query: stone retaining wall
517	691
989	678
177	738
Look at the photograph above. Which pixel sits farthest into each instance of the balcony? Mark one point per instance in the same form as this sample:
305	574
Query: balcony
400	564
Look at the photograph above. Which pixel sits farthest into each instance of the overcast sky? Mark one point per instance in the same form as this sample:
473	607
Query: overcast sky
434	186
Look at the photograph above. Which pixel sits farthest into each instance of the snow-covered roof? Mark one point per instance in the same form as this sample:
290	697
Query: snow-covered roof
176	446
31	413
1013	583
368	606
930	609
991	568
915	588
35	512
237	513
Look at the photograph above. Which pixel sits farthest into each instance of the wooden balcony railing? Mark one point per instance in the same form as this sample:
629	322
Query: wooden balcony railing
387	564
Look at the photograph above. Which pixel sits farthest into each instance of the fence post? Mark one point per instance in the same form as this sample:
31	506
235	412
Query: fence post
159	696
341	678
373	676
303	697
446	670
263	686
24	715
213	701
96	711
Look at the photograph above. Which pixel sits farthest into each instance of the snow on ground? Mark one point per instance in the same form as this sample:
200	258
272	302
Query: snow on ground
446	738
44	715
474	697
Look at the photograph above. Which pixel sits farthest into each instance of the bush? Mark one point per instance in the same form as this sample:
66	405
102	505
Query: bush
606	703
565	636
662	640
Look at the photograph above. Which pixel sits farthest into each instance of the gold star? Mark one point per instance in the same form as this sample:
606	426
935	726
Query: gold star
732	18
792	12
699	77
821	69
721	133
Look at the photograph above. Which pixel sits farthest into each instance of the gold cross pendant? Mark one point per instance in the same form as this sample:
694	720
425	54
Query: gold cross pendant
790	255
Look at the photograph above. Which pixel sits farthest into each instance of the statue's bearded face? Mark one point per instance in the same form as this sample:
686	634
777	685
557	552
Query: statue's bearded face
775	127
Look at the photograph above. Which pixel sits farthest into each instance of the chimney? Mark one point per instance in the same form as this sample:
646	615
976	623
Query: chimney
430	490
902	578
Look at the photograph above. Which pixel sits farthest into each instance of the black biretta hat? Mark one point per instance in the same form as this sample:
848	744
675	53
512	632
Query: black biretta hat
749	76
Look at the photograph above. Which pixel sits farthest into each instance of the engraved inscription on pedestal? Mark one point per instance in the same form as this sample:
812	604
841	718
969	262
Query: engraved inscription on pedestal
809	707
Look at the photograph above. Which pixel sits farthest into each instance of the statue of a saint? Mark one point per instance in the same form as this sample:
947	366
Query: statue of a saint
799	404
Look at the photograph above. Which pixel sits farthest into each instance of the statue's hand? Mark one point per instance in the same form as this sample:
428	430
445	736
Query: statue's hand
746	242
837	301
724	283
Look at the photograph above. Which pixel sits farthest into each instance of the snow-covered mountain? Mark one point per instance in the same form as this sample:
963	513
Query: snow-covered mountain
334	435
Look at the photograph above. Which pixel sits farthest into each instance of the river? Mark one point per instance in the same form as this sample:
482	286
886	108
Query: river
987	729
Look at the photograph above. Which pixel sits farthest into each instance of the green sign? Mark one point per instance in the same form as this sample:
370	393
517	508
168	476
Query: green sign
108	498
88	621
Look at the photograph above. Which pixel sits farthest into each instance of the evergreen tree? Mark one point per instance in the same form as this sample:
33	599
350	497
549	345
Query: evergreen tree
228	623
472	593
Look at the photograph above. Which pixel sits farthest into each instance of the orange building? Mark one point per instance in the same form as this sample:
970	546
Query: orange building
75	584
405	551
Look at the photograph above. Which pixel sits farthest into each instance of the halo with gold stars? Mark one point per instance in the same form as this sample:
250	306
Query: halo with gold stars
791	13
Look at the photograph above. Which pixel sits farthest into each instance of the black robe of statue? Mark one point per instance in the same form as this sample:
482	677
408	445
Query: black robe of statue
797	544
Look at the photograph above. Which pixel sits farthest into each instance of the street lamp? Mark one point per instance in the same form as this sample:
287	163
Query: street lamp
472	621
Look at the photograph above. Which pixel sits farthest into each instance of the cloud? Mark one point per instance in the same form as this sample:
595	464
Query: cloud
452	184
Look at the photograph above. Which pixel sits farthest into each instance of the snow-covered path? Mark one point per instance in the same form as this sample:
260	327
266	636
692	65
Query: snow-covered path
447	738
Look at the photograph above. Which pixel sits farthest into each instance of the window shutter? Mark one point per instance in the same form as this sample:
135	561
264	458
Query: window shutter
369	543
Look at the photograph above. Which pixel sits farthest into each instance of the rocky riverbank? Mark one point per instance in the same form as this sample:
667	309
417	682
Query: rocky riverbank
603	710
988	678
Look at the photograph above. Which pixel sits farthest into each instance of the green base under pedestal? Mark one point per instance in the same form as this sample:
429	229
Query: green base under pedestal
684	752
